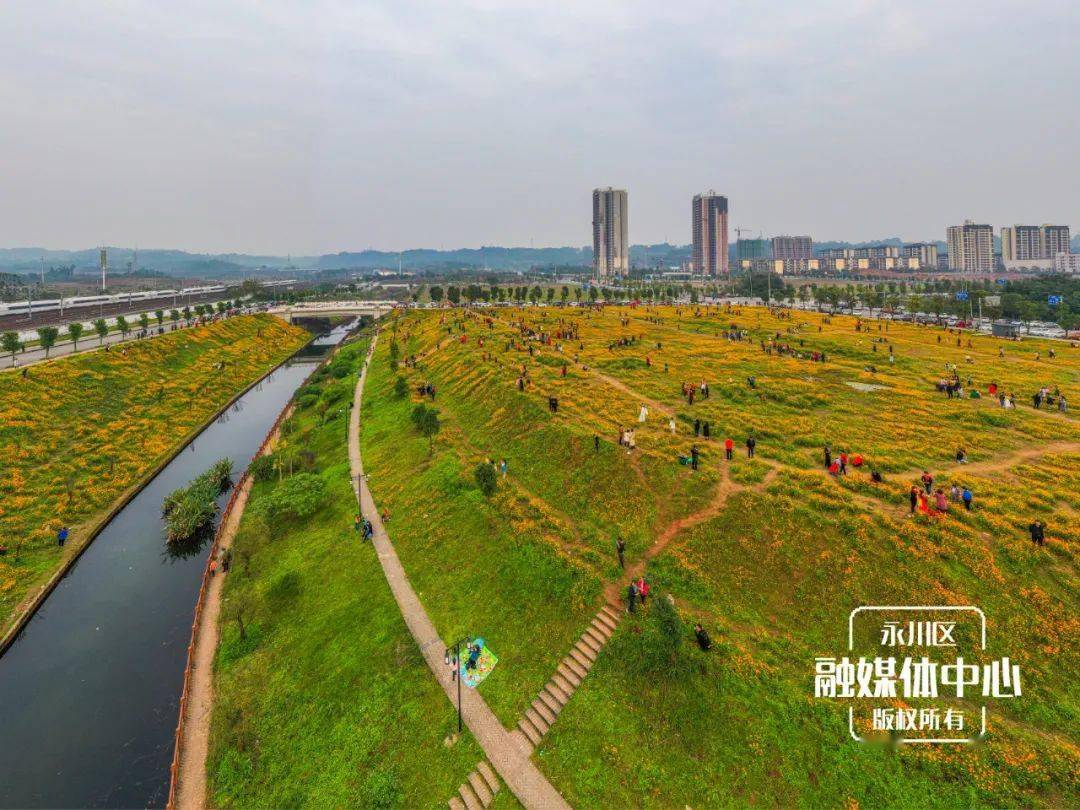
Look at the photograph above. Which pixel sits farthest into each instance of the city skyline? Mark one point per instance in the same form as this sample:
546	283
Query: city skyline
312	129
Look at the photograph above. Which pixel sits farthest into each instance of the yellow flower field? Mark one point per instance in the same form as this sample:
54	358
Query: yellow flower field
770	553
76	433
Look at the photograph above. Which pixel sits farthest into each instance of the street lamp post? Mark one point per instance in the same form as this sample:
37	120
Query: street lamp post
453	660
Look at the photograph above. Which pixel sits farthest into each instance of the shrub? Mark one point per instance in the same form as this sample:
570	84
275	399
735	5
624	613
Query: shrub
299	495
486	478
191	509
335	394
401	388
655	651
262	468
426	420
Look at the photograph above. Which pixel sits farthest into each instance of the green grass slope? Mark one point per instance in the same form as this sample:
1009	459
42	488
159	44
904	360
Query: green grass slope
326	702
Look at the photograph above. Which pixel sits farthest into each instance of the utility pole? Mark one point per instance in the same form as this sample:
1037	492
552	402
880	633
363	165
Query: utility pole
453	659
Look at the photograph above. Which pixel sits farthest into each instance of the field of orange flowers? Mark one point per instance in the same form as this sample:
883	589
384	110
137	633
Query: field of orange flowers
769	553
78	432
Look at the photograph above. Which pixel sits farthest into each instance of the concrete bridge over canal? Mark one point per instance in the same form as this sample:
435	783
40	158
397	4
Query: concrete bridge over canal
326	309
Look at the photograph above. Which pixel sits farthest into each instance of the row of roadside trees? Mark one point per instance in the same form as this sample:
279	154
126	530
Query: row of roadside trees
12	344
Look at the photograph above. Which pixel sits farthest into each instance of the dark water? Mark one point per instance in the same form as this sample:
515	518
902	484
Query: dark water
90	690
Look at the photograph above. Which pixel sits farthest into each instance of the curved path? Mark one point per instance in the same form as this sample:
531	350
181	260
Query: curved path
523	778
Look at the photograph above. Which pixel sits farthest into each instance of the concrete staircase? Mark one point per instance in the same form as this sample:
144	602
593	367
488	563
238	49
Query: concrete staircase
481	785
479	789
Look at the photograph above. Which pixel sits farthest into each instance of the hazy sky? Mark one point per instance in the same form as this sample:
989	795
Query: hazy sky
311	126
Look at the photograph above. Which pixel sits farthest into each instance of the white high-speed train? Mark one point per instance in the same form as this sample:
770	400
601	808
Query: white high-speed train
48	305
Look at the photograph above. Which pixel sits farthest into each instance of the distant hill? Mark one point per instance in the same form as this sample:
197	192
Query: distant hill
170	262
494	257
224	265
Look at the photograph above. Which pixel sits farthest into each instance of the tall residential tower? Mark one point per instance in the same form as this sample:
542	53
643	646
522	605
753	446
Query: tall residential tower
611	251
971	247
709	223
792	247
1025	242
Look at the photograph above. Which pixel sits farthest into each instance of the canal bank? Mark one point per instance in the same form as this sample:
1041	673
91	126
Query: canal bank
187	774
95	526
89	689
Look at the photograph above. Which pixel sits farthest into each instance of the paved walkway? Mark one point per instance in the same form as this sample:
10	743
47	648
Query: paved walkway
523	778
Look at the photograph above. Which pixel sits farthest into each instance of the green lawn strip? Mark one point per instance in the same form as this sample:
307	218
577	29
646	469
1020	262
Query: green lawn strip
327	702
487	568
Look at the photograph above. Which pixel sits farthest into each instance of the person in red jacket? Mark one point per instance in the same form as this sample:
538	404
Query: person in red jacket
729	445
643	590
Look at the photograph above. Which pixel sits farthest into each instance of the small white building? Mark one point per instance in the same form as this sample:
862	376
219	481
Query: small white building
1067	263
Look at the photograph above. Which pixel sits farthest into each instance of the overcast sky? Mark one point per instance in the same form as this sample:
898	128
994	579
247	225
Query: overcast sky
312	126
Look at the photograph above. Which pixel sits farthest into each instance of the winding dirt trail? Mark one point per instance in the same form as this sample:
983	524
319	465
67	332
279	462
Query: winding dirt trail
724	490
626	389
1003	463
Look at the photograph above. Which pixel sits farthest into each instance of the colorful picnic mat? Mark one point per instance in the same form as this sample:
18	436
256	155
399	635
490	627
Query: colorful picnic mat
484	664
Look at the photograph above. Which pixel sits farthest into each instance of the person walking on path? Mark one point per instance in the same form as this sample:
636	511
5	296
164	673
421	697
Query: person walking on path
1038	532
913	497
62	536
697	427
620	549
705	430
729	447
967	497
502	467
643	414
751	443
828	457
631	596
927	481
671	425
693	457
596	443
843	462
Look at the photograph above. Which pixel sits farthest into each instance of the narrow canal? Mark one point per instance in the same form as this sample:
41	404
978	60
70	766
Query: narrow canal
90	690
